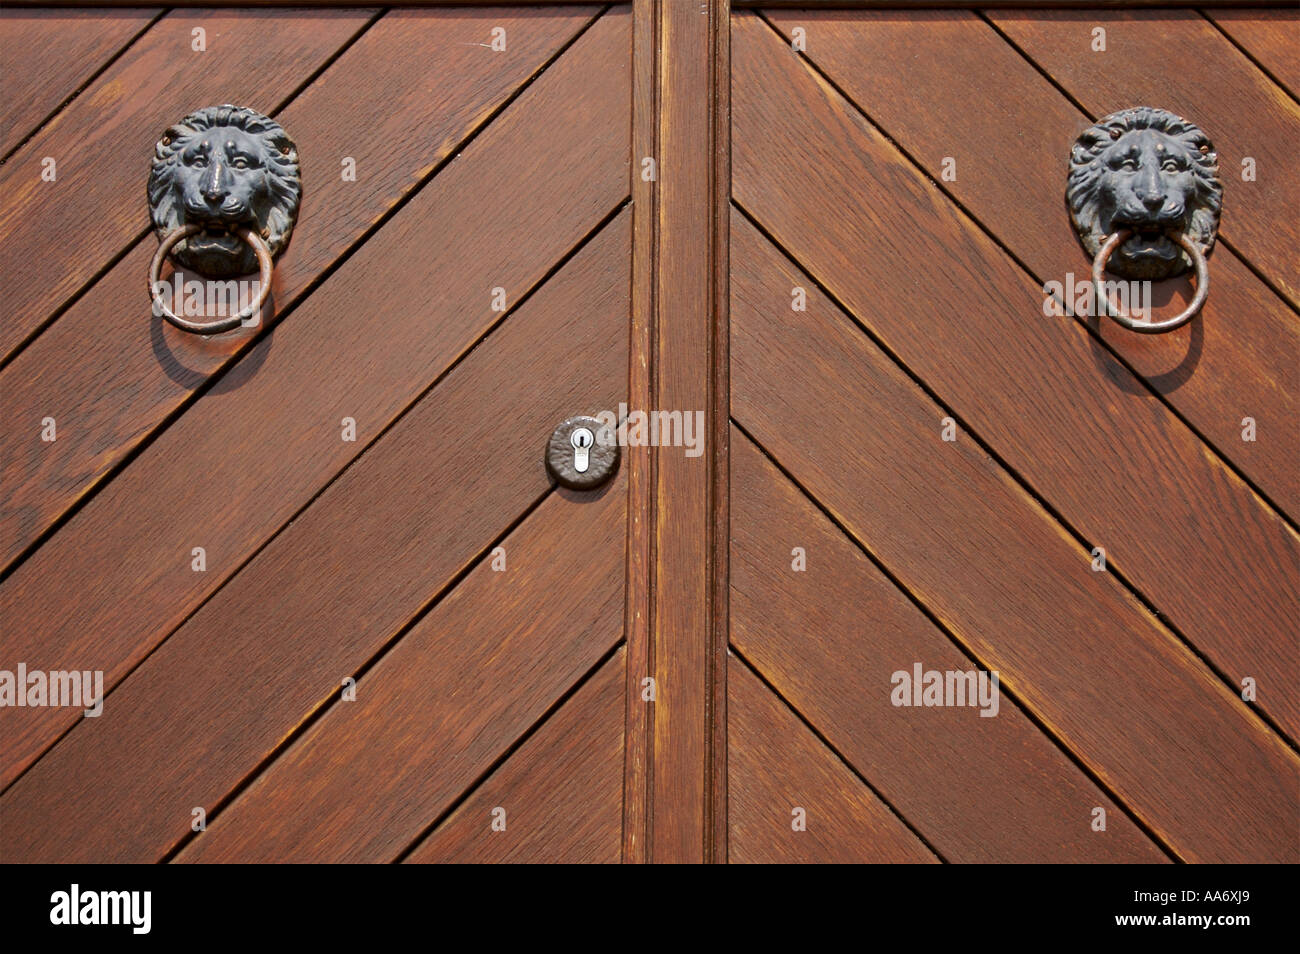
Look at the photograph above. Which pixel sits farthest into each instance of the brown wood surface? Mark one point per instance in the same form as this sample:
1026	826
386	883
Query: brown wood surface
117	577
720	436
968	543
1207	80
830	636
463	685
110	374
47	56
330	591
373	559
638	468
683	330
57	236
1120	468
289	384
1270	37
777	765
562	791
1238	359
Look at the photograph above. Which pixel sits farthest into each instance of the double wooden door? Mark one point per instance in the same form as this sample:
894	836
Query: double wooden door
340	609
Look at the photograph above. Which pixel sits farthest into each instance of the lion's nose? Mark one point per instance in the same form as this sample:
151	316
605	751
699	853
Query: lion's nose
1152	200
214	185
1148	189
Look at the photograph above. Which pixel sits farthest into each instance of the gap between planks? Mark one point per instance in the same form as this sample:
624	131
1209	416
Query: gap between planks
1148	607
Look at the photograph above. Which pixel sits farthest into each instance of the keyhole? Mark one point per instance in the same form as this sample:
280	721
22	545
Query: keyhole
581	439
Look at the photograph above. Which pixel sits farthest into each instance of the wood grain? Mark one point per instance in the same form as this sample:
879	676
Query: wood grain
117	577
683	327
1209	81
638	468
1269	37
430	718
110	374
1149	719
1238	359
720	435
342	580
1071	420
777	765
47	56
56	236
830	637
562	791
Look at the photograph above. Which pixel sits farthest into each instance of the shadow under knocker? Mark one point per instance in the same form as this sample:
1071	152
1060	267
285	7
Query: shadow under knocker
1170	379
179	364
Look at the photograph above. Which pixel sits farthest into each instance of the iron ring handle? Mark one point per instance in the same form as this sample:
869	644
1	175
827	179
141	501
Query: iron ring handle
1153	327
254	307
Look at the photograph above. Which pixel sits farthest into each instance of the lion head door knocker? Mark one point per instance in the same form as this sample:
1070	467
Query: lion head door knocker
1144	196
223	195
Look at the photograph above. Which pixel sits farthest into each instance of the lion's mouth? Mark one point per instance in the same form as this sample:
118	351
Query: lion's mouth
1149	240
216	235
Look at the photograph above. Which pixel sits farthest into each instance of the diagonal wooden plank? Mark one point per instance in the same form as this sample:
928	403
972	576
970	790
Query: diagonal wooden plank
1107	455
1269	37
340	582
56	236
830	636
562	792
1009	161
462	686
1130	700
46	56
109	374
777	766
119	576
1217	87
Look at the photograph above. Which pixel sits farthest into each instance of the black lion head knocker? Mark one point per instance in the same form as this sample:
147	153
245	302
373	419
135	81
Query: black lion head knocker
223	195
1144	196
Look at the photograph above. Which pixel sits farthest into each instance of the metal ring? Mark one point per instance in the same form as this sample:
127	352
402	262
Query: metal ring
1152	327
264	265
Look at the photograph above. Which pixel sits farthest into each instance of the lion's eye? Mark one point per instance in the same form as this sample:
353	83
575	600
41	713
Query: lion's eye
1129	164
240	162
199	160
1171	165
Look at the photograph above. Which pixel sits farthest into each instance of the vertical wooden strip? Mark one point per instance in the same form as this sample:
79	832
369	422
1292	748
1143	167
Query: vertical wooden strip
638	749
720	430
682	373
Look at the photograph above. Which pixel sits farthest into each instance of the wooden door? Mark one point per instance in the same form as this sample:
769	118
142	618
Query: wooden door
341	611
925	467
362	474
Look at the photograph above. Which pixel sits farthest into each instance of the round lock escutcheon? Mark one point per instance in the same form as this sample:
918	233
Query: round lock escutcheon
581	454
